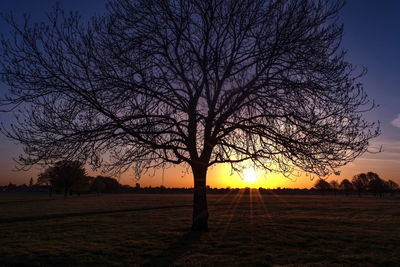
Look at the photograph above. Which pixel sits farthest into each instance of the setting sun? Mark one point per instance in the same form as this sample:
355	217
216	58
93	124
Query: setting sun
249	175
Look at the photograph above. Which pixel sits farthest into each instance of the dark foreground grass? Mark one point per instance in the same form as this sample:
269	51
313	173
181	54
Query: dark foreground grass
245	229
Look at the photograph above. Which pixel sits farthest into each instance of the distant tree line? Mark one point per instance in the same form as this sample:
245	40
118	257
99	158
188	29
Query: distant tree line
362	183
69	177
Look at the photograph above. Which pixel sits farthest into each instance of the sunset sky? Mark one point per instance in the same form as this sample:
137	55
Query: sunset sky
372	39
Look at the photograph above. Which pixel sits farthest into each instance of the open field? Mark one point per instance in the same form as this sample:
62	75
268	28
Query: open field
245	229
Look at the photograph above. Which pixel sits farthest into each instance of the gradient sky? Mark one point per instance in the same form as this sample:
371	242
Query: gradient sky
372	39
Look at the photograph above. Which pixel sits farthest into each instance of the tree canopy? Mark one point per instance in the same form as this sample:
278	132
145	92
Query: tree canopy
196	82
322	185
65	176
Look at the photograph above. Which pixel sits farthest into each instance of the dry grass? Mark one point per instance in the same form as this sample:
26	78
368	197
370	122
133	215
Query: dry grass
246	229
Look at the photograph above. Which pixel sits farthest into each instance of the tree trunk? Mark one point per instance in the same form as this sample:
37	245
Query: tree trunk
200	210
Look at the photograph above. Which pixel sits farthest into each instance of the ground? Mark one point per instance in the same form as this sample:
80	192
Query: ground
245	229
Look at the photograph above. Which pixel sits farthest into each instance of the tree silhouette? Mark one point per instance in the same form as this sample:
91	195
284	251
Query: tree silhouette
111	185
65	176
346	186
375	184
81	185
360	183
322	185
334	186
392	186
98	186
44	180
188	82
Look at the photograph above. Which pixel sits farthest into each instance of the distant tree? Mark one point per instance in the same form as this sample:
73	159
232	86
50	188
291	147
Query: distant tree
98	186
31	182
375	184
81	185
11	187
196	82
392	186
334	186
360	183
22	188
322	186
111	184
44	180
63	175
346	186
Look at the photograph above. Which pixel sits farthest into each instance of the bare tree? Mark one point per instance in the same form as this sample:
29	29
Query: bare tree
193	82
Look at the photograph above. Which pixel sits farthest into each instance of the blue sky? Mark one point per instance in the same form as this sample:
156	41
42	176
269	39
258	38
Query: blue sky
371	37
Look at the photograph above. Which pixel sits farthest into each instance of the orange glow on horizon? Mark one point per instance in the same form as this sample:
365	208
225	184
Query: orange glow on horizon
221	176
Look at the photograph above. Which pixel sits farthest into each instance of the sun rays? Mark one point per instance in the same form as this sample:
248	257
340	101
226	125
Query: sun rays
257	211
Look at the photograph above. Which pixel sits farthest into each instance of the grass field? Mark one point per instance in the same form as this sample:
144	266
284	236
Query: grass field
245	229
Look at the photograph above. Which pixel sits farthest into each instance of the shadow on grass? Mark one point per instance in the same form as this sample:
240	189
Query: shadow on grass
90	213
77	214
45	199
176	249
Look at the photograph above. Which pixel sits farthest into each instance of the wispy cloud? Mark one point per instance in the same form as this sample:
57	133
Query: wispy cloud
389	150
396	122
